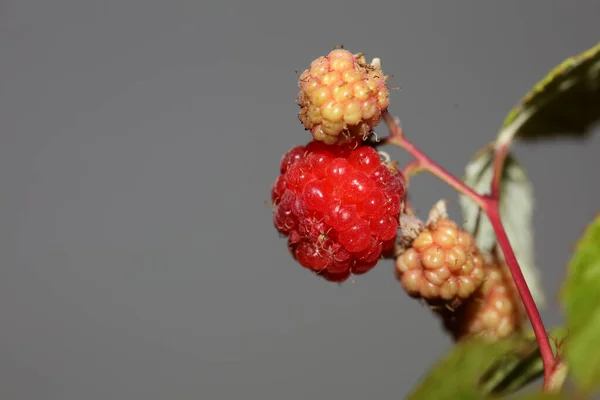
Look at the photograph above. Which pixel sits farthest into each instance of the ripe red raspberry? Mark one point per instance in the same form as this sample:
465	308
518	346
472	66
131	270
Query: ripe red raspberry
495	311
442	265
341	97
339	206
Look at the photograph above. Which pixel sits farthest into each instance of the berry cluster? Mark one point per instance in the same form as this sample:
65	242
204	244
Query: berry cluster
472	292
341	97
442	265
339	206
495	311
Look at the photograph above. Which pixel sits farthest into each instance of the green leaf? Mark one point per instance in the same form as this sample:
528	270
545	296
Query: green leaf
565	102
516	212
513	370
459	374
478	368
580	296
541	396
522	365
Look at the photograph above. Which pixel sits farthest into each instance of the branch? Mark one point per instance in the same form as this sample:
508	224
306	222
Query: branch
490	205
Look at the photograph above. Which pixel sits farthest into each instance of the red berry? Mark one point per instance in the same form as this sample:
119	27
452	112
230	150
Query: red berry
318	194
337	207
338	277
364	159
357	237
342	216
311	256
291	157
371	253
381	175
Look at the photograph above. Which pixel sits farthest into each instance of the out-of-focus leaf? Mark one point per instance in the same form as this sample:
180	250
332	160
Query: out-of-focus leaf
522	365
516	212
542	396
565	102
580	296
513	370
459	374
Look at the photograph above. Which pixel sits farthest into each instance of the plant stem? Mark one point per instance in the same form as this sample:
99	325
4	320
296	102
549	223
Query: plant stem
500	154
492	210
490	205
425	163
411	169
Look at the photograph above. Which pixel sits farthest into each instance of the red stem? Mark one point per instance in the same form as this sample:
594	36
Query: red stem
492	210
427	164
410	169
397	138
490	205
499	158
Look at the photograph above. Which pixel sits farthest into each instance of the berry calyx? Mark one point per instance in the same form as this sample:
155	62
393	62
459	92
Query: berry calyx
339	206
495	310
441	265
341	97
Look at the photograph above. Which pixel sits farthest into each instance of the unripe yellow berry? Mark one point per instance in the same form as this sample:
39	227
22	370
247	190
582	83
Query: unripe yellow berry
341	97
442	265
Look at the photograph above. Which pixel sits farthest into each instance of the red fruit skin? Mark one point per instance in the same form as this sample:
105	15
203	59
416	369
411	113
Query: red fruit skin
339	207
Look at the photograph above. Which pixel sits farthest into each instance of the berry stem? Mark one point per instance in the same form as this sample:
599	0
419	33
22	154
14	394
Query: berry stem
500	154
490	205
425	163
411	169
492	210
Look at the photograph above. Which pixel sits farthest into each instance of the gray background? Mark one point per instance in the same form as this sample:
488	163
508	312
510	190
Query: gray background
138	143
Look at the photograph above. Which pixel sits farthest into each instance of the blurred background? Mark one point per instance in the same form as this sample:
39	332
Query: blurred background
139	140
